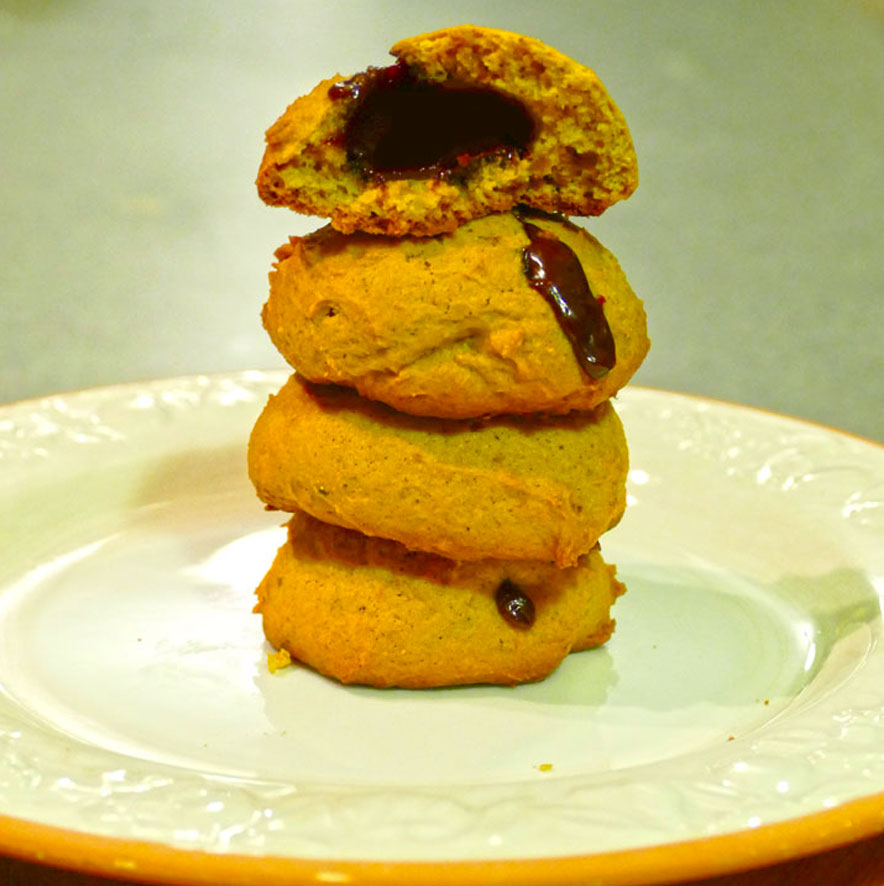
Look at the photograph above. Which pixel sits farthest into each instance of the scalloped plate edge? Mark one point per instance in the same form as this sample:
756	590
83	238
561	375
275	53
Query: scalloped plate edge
711	856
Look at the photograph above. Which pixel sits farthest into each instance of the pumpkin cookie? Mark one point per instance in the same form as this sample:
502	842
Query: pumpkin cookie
451	325
468	121
368	610
532	487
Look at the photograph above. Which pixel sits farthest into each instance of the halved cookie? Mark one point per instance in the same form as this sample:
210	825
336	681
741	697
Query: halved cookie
469	121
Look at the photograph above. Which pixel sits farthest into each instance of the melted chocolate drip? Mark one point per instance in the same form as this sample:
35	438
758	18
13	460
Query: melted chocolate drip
514	604
554	270
404	127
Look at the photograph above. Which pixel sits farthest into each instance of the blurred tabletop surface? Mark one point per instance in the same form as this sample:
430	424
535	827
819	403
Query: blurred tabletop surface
133	244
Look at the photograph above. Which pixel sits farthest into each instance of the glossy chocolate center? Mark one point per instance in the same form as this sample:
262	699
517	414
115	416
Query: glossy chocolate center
404	127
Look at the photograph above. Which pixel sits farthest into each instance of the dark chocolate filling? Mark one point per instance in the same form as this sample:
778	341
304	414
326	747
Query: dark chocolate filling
405	127
514	604
554	270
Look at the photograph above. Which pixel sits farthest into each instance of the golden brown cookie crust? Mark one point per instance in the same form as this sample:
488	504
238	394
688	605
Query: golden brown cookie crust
527	488
367	610
447	326
580	162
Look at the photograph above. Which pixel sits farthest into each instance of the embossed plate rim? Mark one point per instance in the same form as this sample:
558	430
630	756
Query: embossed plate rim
159	862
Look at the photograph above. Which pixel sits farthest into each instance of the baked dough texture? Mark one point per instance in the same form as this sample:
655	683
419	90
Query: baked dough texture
449	325
534	487
446	448
579	161
367	610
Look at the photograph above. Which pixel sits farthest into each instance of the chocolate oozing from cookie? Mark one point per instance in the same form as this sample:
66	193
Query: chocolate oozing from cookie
554	270
405	127
514	604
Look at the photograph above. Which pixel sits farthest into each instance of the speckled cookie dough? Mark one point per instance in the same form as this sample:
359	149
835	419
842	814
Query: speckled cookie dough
447	447
367	610
448	325
529	488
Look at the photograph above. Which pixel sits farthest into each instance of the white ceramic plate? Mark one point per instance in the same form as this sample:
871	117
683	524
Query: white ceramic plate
743	689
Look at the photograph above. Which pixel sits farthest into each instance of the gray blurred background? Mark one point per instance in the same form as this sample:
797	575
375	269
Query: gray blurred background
133	245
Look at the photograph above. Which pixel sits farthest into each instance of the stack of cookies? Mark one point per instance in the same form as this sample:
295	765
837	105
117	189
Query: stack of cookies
447	447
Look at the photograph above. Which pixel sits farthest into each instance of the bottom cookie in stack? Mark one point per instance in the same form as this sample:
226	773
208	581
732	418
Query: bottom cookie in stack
370	611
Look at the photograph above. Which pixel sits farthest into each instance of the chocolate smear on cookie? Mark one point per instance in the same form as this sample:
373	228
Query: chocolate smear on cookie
554	270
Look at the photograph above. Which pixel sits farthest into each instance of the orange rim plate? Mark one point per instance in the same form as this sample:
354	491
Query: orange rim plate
735	719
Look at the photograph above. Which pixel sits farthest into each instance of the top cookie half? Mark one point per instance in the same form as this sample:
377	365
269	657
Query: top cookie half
467	122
